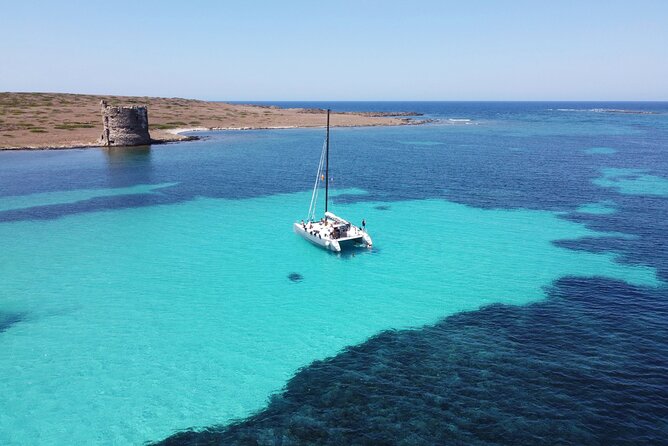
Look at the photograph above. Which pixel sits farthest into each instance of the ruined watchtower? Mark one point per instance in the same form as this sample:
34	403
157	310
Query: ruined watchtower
124	126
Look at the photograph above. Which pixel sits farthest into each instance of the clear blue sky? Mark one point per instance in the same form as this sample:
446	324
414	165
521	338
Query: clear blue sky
339	50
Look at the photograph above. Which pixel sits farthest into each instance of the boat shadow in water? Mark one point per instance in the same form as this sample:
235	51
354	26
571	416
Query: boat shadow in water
351	253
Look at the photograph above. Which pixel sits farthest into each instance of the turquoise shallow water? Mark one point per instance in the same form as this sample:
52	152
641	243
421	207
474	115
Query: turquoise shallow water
146	291
633	182
598	208
147	320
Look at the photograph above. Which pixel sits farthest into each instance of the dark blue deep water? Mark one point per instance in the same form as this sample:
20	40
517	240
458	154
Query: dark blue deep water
588	365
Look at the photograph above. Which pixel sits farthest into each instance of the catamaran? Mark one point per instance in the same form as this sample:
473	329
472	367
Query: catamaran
330	232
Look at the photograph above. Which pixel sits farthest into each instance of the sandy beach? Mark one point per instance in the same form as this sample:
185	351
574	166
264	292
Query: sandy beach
57	120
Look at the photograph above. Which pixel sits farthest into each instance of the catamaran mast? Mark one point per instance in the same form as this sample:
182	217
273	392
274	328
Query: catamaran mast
327	164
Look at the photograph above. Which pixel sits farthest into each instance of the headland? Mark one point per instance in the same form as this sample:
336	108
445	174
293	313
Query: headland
60	120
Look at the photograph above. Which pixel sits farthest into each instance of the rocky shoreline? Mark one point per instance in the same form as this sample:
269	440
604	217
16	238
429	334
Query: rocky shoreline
387	114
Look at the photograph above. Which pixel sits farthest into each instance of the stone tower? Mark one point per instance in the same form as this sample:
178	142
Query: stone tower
124	126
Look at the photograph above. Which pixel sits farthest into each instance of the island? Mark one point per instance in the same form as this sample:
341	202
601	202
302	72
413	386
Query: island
60	120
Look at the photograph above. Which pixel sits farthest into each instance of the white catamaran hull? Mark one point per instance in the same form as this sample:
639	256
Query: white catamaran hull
333	233
316	239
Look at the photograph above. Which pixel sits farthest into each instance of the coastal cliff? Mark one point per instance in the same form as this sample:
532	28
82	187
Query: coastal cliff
124	126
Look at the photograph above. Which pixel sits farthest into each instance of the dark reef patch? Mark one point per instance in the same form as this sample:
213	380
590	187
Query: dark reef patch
54	211
8	319
295	277
588	365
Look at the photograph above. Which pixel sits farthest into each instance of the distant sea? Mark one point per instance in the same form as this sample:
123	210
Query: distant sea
473	109
515	294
